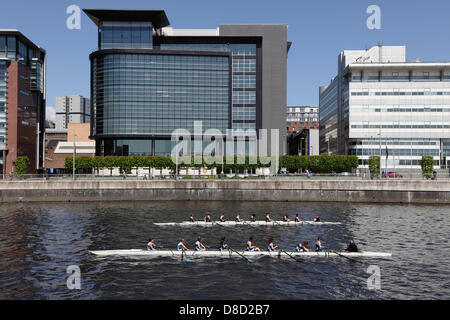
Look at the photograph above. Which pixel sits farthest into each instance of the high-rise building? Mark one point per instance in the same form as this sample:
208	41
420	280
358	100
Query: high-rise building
302	117
302	130
380	104
148	80
22	101
72	109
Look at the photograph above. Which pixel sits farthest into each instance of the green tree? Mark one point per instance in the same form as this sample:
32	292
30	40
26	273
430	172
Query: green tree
374	166
427	166
21	165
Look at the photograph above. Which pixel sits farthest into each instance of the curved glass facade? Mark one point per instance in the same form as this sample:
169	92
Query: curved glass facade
154	94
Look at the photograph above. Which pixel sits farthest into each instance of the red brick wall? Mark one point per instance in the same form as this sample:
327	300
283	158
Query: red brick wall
21	118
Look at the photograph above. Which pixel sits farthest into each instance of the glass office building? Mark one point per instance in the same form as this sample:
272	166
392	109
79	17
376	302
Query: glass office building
148	80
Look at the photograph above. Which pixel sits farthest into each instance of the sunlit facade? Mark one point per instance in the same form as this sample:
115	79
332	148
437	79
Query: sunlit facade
380	105
22	101
148	80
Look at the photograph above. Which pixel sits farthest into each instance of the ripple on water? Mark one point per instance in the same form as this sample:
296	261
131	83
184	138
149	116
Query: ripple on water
38	241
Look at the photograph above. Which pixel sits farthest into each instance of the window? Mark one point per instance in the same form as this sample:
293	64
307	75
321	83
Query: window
2	46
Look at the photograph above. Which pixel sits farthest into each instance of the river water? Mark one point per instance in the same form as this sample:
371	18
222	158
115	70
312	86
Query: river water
38	241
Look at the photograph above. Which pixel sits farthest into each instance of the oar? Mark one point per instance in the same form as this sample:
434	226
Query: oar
249	260
345	256
289	255
183	253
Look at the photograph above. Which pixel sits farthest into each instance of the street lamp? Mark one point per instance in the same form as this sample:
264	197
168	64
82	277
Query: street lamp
379	137
74	153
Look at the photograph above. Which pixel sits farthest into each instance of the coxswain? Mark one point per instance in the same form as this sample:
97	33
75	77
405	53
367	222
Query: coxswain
351	247
271	247
250	246
198	245
151	244
222	218
181	245
319	246
286	218
191	218
302	247
268	217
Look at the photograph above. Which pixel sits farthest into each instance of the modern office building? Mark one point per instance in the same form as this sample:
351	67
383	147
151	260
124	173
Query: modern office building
72	109
302	117
380	104
148	79
302	130
22	101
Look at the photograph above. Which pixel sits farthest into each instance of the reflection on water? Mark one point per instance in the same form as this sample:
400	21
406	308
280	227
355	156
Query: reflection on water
39	241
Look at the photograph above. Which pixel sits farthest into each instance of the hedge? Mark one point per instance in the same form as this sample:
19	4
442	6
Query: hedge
323	164
160	162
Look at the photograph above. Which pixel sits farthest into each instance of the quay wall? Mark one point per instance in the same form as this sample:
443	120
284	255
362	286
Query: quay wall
339	190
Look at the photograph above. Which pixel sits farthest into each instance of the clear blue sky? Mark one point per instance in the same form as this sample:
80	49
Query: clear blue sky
319	30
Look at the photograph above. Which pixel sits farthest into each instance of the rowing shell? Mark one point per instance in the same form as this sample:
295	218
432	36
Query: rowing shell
243	223
225	254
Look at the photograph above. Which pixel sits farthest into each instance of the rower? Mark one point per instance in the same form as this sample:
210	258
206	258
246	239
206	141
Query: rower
222	218
297	218
151	244
319	246
198	245
191	218
223	246
253	218
271	247
250	246
302	247
207	218
316	218
181	245
351	247
238	218
286	218
268	217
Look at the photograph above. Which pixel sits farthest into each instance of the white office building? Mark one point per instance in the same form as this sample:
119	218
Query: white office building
72	109
379	103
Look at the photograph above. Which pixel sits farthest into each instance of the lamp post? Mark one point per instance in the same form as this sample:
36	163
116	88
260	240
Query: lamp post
176	164
379	137
74	154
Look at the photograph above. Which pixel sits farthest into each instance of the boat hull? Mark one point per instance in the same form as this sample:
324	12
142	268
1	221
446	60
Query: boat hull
243	223
247	254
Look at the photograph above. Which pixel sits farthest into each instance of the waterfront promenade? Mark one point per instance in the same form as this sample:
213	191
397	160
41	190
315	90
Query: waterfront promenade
275	189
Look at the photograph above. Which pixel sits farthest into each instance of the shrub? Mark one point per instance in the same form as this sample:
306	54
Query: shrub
374	166
427	166
21	165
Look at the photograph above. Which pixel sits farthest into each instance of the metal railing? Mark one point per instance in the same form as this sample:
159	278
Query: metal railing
227	176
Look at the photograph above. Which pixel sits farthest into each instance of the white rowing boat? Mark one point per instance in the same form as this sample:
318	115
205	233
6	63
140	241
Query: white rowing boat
247	254
243	223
